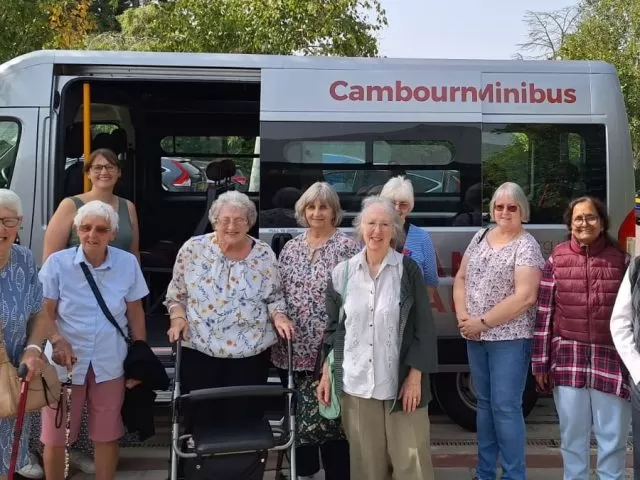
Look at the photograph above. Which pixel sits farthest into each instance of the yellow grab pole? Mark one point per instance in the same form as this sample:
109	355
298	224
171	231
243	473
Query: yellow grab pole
86	129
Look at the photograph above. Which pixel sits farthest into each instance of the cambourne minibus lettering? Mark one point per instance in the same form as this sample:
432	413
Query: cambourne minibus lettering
342	90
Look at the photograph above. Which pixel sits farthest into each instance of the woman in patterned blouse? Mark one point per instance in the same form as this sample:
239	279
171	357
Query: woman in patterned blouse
573	349
226	301
305	265
494	294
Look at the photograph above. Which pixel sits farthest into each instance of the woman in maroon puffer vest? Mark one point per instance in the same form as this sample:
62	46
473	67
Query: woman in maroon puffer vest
573	352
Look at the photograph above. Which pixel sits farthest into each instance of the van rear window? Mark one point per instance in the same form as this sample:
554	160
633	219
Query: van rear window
9	139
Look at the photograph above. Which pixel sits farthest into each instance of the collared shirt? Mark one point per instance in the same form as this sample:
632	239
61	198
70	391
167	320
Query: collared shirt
228	302
570	363
79	319
372	317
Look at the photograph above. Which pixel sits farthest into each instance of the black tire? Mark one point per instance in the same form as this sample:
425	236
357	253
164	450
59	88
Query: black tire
455	396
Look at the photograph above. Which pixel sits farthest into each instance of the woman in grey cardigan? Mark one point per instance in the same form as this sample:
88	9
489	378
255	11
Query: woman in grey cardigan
384	350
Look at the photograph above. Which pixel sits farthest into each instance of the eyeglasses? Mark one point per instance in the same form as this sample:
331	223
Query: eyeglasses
401	205
98	228
10	222
510	208
381	225
98	168
585	219
235	221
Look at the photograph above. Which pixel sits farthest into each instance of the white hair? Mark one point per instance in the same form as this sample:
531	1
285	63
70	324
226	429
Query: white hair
398	230
96	208
515	192
235	199
322	192
398	189
11	201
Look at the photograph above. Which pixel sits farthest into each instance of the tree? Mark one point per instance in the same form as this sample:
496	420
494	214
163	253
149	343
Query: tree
327	27
24	27
548	31
609	30
70	22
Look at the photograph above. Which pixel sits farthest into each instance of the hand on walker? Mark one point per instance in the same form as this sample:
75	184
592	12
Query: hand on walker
283	325
177	329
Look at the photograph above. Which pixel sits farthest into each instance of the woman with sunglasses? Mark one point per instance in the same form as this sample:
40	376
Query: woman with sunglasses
103	169
573	350
494	293
93	349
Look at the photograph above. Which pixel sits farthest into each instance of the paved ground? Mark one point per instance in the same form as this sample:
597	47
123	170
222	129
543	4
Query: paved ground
453	451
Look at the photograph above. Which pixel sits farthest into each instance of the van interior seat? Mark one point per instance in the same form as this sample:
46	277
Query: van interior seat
161	257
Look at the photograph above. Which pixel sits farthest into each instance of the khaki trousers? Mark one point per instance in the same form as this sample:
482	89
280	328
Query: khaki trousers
385	446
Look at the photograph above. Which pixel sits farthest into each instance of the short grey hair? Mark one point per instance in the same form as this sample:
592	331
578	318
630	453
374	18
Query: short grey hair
236	199
322	192
96	208
11	201
515	192
399	189
398	237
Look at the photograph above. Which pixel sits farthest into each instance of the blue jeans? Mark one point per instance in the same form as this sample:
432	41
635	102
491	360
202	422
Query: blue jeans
499	373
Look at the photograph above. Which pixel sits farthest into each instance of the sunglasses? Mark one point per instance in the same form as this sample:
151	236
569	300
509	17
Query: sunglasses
510	208
99	229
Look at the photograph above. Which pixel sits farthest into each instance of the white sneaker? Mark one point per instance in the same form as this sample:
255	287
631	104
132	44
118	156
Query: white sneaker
31	469
82	462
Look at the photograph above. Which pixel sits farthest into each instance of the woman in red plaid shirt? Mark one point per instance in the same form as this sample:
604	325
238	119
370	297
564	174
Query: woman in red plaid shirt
573	352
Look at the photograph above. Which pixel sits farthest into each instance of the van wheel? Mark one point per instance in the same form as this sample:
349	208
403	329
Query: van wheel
456	396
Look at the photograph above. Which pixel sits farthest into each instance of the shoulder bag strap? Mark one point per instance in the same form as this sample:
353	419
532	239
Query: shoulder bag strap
98	295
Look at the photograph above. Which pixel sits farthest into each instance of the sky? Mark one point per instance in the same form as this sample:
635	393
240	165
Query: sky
458	29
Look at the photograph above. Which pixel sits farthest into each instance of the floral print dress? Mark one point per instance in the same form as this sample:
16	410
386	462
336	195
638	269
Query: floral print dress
304	274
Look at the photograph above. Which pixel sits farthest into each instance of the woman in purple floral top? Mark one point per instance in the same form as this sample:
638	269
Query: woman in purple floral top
305	265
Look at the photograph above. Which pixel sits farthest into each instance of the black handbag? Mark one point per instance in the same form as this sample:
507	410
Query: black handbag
103	305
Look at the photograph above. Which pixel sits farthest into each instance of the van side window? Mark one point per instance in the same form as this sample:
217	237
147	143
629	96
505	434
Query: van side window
9	139
185	160
552	163
442	161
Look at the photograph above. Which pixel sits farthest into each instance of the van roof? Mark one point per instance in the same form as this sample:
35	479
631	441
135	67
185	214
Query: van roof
221	60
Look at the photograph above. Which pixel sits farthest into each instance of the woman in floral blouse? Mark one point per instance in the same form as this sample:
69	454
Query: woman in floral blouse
305	265
225	299
494	294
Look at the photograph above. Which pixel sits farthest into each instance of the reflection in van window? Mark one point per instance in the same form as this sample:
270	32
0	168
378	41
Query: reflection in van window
552	163
357	159
186	158
9	138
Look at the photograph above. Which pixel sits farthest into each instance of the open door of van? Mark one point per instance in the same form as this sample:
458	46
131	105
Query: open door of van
18	160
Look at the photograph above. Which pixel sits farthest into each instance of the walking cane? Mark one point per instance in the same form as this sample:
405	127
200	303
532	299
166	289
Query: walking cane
23	370
67	433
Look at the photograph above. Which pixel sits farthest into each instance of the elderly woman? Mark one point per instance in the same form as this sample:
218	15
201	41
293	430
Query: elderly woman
92	349
573	352
104	171
21	304
417	244
384	351
305	266
225	299
494	293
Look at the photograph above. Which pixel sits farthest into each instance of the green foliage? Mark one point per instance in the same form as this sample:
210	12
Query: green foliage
327	27
23	27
